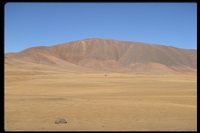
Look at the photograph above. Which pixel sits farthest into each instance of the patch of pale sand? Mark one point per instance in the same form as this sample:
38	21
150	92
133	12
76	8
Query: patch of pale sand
98	103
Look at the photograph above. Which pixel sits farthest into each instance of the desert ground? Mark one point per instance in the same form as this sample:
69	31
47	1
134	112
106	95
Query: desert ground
94	102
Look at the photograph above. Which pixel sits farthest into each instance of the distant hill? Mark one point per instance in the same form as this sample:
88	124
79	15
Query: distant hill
104	55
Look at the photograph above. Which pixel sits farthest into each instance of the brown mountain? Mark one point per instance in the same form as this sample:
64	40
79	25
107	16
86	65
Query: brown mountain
104	55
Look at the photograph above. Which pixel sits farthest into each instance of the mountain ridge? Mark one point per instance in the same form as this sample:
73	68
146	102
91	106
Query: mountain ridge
110	54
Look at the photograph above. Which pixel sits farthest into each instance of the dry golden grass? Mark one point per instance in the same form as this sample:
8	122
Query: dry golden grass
94	102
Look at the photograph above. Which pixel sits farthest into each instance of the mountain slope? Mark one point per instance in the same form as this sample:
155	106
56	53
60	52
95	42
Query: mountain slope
107	54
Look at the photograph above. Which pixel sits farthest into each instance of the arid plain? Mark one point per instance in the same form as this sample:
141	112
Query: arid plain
92	101
147	87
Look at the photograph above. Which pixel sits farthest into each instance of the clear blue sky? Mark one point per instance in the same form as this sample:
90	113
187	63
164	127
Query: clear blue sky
46	24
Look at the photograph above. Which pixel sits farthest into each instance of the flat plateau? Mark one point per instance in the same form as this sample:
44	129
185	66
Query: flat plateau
95	102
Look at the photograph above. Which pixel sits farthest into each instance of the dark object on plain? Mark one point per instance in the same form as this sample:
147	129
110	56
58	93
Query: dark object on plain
60	121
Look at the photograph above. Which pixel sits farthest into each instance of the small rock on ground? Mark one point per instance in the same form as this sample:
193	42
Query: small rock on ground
60	121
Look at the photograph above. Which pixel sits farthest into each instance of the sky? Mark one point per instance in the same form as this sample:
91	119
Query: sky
46	24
